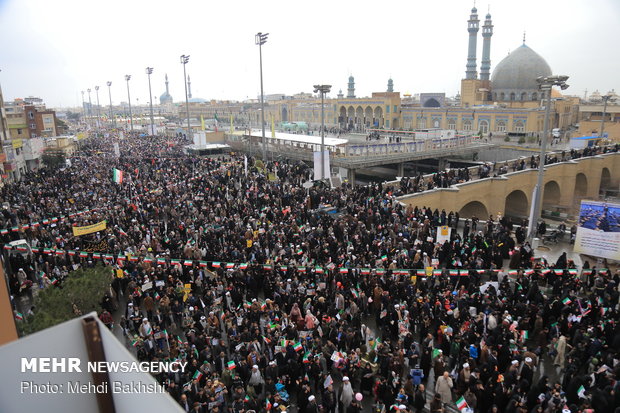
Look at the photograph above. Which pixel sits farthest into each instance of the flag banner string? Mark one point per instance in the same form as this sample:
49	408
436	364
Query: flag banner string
316	269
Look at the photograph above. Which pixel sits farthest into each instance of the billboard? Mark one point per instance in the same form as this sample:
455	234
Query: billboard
598	230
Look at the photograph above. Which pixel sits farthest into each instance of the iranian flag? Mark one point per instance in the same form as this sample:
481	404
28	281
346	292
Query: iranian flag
161	261
421	273
133	258
513	272
384	258
267	267
231	365
461	403
216	264
266	340
284	268
117	176
343	271
203	264
268	404
188	263
365	271
558	272
581	392
298	346
380	271
436	272
19	316
175	262
305	359
301	269
525	335
529	272
83	254
147	260
567	301
319	270
355	293
197	375
230	265
243	266
454	272
4	231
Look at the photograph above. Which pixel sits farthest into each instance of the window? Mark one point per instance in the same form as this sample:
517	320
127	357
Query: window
523	96
467	125
395	109
512	96
31	115
452	124
435	123
520	126
387	109
534	96
500	126
502	96
422	123
19	131
33	126
387	123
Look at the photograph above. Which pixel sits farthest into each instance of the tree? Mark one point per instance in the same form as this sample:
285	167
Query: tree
85	288
53	159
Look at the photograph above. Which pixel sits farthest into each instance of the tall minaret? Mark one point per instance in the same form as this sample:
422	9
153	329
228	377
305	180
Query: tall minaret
473	25
487	32
189	87
390	85
167	91
351	88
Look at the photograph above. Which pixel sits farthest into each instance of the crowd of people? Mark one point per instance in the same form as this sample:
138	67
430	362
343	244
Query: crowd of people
283	297
449	177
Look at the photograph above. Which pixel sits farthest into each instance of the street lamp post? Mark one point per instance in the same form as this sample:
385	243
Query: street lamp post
83	106
98	112
323	89
184	60
605	99
261	39
545	85
90	109
110	96
127	78
149	71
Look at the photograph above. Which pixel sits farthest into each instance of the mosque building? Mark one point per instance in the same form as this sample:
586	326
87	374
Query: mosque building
502	101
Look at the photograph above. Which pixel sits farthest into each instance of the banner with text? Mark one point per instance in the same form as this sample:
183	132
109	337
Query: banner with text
89	229
598	231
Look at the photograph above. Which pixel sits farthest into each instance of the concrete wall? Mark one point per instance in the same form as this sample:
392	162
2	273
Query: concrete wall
576	180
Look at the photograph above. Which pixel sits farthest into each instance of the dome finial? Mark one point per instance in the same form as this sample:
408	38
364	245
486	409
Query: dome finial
523	36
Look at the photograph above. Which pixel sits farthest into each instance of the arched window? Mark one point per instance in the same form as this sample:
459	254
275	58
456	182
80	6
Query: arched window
467	125
502	96
534	96
523	96
500	126
422	123
452	124
520	126
436	123
512	96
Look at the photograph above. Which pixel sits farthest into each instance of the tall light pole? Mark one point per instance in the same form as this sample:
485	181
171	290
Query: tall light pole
149	71
184	60
83	106
90	109
323	89
261	39
98	112
127	78
605	99
110	96
545	84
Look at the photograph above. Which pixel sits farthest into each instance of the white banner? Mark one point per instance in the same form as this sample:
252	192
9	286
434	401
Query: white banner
598	231
317	166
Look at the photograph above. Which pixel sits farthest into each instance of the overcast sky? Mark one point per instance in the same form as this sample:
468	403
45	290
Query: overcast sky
55	49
